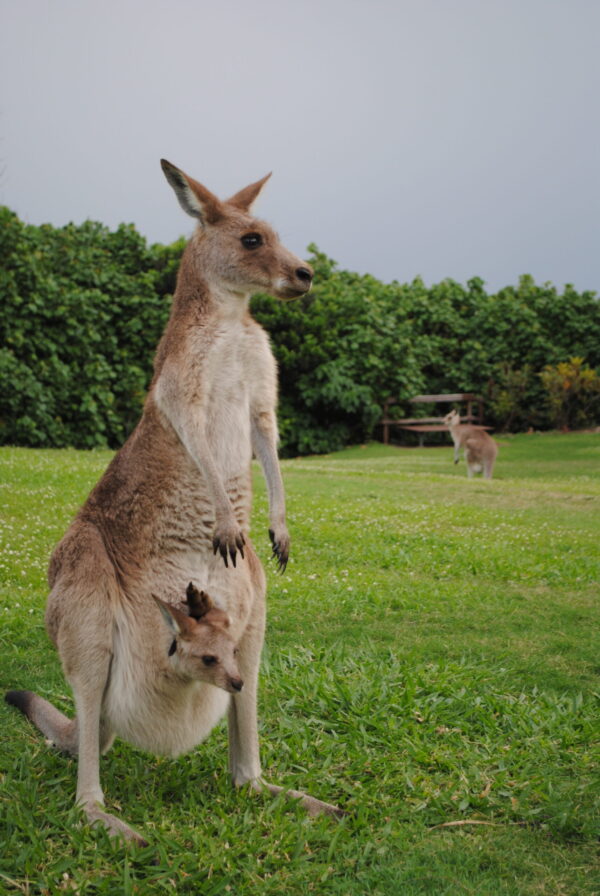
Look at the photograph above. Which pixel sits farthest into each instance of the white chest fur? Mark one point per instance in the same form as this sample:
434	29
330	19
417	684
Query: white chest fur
227	372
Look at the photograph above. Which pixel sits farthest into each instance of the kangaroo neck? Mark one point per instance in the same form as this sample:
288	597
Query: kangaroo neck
198	296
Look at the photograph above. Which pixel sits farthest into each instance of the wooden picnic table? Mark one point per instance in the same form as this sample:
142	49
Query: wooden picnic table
422	425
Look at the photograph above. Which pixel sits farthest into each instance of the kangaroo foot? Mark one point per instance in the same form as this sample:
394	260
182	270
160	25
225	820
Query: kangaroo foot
115	827
312	805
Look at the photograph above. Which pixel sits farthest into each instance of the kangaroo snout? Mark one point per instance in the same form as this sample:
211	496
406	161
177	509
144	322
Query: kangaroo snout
295	282
305	275
236	684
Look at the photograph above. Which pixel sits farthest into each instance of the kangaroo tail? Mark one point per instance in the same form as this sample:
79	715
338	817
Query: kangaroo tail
56	726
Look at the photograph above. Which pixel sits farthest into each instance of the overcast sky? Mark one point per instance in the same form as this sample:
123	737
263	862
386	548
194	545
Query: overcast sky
441	138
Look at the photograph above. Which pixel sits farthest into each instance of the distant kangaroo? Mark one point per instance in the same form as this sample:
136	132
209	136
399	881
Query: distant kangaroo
479	448
173	508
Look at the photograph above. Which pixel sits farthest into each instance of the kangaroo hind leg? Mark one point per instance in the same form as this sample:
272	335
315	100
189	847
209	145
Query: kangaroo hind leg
88	687
85	640
244	759
89	673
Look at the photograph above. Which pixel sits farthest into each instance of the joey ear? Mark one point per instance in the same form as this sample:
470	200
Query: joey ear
246	198
177	621
199	602
193	197
220	617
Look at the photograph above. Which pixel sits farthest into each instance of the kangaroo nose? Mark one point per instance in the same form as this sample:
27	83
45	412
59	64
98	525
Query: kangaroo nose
304	274
237	684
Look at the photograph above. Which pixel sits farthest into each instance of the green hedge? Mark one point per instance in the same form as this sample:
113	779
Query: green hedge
84	307
355	341
82	312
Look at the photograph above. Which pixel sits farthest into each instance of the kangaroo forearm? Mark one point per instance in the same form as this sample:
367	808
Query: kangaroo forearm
264	442
265	449
196	444
190	427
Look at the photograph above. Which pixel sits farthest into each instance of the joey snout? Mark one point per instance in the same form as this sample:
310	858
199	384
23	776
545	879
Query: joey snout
235	684
219	667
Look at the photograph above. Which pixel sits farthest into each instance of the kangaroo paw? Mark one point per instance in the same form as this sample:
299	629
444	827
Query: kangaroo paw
229	542
280	543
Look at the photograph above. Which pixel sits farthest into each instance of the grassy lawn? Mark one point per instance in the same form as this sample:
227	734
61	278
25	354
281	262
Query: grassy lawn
431	664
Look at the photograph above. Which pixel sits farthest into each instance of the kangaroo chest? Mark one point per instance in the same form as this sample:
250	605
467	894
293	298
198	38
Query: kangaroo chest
226	379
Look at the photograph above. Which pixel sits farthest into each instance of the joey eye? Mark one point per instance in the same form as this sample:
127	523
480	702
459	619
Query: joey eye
252	240
236	650
209	660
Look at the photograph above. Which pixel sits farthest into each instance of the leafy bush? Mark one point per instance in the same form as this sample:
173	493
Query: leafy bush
81	319
355	341
508	397
573	391
337	348
84	308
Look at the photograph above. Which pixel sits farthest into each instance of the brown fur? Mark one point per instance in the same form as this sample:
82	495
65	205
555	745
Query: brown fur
479	448
173	507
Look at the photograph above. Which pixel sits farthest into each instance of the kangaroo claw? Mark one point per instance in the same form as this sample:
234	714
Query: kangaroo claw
280	552
228	545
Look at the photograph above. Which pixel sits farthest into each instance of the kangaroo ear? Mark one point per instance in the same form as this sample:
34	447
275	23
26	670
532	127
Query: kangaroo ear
194	198
199	602
177	621
219	617
246	198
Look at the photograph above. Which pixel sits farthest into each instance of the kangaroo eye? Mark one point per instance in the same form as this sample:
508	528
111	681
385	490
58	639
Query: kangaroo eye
209	660
236	650
252	240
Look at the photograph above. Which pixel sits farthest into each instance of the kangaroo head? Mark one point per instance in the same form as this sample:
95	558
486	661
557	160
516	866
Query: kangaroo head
231	249
202	647
452	419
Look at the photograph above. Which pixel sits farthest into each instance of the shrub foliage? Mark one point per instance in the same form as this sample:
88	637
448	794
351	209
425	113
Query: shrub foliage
84	307
82	312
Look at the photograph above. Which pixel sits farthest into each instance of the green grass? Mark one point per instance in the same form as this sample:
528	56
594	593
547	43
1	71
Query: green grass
431	662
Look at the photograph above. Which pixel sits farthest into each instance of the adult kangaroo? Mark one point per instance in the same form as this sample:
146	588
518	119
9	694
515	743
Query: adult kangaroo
172	512
479	448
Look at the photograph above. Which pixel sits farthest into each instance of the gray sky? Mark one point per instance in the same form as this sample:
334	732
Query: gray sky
446	138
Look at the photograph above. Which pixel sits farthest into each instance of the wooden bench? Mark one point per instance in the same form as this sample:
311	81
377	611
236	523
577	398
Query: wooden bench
421	425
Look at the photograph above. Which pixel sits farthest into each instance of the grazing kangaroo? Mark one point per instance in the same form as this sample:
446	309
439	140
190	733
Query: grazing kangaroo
173	507
479	448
